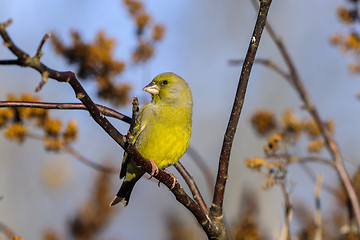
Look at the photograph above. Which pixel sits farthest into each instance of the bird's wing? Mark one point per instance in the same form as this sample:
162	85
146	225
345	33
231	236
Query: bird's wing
143	118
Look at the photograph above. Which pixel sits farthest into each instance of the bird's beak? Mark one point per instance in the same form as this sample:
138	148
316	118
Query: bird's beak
151	88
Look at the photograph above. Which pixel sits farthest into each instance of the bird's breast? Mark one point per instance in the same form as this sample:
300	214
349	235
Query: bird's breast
165	141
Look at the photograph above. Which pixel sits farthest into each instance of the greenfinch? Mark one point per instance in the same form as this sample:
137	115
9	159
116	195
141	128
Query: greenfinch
161	132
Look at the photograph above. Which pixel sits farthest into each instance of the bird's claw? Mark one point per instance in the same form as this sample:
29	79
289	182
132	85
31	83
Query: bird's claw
154	168
175	179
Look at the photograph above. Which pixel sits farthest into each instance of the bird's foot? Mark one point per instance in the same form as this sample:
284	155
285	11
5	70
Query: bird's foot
154	168
175	179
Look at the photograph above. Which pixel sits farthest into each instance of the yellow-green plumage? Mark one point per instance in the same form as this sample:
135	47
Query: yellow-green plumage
162	129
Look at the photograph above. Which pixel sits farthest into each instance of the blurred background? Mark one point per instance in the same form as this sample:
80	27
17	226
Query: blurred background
43	191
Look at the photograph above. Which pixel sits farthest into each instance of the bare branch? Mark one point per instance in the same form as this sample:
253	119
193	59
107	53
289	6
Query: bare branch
216	209
44	78
268	63
135	110
43	40
9	62
298	159
192	185
66	106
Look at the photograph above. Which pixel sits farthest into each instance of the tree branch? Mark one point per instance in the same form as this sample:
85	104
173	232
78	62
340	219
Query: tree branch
216	210
8	62
298	159
268	63
135	110
192	185
66	106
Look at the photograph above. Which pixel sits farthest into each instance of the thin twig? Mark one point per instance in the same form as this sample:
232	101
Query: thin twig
268	63
9	62
318	218
135	110
39	53
216	210
66	106
298	159
44	78
317	159
192	186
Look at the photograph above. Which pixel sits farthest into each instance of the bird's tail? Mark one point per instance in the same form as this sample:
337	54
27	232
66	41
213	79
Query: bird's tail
124	192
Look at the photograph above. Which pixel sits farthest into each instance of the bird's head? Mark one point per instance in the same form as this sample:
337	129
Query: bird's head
169	88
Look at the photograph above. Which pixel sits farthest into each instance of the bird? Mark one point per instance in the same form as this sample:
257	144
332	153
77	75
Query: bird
162	130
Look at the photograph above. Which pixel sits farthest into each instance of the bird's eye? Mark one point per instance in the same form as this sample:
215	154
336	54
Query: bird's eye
165	82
